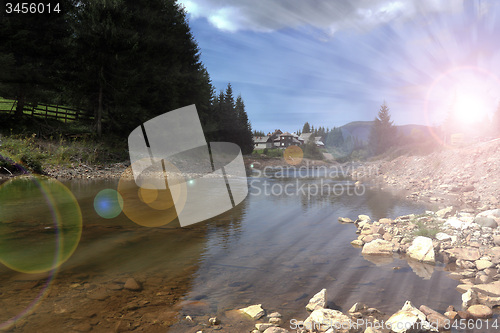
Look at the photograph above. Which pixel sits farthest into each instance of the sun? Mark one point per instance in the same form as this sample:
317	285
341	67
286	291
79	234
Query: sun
470	108
466	96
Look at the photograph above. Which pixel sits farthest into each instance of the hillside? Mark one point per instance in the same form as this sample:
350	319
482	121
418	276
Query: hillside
463	177
361	129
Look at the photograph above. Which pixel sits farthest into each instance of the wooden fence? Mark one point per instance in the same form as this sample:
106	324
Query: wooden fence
46	111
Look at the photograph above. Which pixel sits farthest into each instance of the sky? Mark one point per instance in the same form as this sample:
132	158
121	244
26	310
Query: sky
330	62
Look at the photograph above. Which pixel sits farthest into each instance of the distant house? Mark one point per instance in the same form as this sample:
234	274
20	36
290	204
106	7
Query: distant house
286	139
317	139
305	137
262	142
318	142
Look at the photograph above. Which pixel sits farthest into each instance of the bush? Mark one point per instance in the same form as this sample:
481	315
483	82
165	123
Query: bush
32	163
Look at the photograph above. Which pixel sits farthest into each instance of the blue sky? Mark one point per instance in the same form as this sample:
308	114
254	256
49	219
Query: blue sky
331	62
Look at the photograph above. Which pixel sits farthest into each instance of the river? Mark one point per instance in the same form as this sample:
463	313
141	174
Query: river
277	248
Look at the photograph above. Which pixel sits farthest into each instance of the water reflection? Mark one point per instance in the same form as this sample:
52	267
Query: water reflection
277	250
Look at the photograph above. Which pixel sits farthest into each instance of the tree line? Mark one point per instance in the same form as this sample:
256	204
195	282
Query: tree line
125	61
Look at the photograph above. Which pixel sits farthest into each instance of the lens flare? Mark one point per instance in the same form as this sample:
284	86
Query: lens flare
108	203
151	207
45	196
40	224
293	155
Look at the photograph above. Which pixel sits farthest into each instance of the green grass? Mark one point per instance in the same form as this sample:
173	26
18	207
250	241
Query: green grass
6	106
267	153
35	154
426	226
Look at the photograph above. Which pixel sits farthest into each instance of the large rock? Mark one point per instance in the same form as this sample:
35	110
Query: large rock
254	311
321	320
482	264
378	247
489	289
422	250
345	220
444	212
408	319
318	301
464	253
364	218
486	221
491	212
480	311
435	318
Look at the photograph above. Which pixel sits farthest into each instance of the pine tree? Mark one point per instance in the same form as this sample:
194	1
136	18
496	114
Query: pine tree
306	128
245	139
383	132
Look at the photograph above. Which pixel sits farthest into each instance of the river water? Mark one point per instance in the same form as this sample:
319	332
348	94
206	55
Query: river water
277	248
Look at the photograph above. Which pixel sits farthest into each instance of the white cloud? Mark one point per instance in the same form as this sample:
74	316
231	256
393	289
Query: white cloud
328	15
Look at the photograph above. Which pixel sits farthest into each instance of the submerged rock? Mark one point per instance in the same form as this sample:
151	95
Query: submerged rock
132	284
254	311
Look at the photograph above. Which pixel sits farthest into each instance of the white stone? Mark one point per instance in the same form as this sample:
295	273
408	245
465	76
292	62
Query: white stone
364	218
441	236
408	319
378	246
318	301
483	264
422	250
322	319
454	223
254	311
469	298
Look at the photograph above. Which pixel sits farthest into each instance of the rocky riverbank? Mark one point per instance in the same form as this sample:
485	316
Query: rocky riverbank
468	244
463	177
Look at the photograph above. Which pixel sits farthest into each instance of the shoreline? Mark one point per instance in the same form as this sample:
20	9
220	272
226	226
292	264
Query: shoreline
464	236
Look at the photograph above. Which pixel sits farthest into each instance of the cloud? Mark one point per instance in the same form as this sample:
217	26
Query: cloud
327	15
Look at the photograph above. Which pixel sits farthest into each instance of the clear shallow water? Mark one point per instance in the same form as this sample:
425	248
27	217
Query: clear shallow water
277	249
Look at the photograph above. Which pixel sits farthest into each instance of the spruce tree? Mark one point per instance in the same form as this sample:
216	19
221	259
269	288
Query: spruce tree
245	139
306	128
383	132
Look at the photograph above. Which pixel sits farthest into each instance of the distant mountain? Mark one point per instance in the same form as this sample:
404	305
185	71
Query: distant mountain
361	129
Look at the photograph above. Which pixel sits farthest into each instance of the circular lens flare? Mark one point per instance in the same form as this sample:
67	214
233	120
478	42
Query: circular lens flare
293	155
152	207
40	224
108	203
49	200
